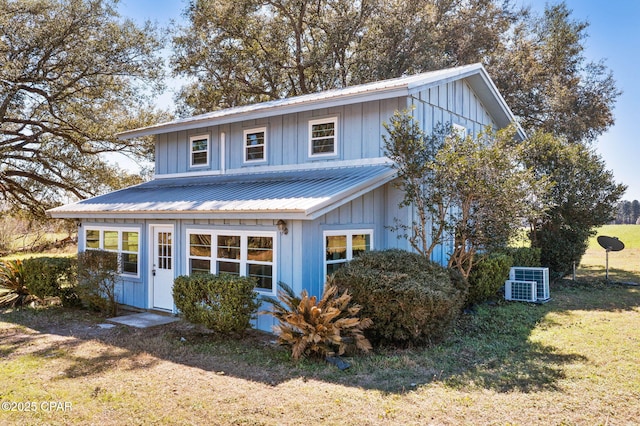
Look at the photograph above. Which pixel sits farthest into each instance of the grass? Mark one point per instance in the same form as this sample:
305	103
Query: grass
571	361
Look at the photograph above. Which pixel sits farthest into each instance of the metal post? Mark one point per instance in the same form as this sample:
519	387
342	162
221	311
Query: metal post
607	273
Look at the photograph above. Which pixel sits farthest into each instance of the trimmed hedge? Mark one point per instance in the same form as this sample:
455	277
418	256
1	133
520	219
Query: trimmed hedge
409	299
523	256
223	303
47	276
488	276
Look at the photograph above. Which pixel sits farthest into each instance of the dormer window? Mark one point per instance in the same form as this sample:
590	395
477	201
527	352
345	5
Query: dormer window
199	151
255	145
323	137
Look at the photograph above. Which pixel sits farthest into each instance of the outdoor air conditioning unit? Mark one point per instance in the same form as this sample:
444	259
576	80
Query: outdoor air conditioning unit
522	291
522	277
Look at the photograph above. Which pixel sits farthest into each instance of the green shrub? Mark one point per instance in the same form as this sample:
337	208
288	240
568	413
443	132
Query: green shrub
409	299
318	328
488	276
523	256
223	303
97	279
46	276
13	291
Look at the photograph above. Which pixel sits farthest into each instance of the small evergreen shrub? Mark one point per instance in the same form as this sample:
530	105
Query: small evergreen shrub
488	276
223	303
523	256
46	276
318	328
410	299
97	279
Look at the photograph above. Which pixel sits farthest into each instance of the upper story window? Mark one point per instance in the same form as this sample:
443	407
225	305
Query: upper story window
323	137
124	241
255	145
199	146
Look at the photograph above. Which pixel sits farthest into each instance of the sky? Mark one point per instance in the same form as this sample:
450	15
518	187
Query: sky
614	36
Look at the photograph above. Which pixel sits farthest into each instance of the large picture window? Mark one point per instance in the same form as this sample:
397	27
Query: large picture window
323	137
125	242
199	147
342	246
255	145
238	253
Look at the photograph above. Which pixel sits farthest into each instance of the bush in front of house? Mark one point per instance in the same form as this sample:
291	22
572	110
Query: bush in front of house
410	299
48	276
318	328
97	279
523	256
224	303
487	276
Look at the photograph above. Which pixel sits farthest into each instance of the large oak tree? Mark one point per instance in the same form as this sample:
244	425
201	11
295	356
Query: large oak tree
72	74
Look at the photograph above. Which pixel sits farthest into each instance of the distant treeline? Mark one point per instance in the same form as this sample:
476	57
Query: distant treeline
628	213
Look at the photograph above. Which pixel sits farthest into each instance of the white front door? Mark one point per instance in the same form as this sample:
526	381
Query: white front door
162	267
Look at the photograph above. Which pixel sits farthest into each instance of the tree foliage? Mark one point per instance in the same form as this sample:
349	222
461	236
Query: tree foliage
73	74
243	51
473	188
583	195
545	78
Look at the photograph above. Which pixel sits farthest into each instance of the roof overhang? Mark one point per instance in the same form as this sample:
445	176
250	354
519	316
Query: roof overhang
475	74
299	194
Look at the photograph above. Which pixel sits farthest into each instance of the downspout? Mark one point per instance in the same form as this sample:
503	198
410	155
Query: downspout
223	153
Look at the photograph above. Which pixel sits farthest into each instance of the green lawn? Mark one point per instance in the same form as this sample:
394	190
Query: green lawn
572	361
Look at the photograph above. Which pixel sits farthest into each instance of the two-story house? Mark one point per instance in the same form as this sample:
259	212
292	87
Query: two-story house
286	190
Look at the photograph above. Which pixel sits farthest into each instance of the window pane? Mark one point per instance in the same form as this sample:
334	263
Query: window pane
255	153
264	275
92	239
322	146
229	247
199	266
322	130
110	240
200	245
254	139
232	268
333	267
199	158
360	244
260	249
130	241
199	145
130	263
336	247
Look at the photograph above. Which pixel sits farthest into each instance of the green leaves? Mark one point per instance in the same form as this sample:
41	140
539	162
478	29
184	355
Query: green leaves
73	75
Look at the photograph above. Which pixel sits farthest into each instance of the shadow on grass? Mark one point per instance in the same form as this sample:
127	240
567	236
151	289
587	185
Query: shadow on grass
489	349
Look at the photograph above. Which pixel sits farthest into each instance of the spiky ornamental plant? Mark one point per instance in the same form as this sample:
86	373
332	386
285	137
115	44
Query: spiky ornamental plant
318	328
13	290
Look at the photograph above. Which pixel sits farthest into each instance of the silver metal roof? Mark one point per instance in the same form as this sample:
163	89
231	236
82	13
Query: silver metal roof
300	194
475	74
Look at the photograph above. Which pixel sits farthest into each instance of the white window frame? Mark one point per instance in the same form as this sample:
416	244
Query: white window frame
246	147
327	120
459	130
120	230
349	233
207	151
244	262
